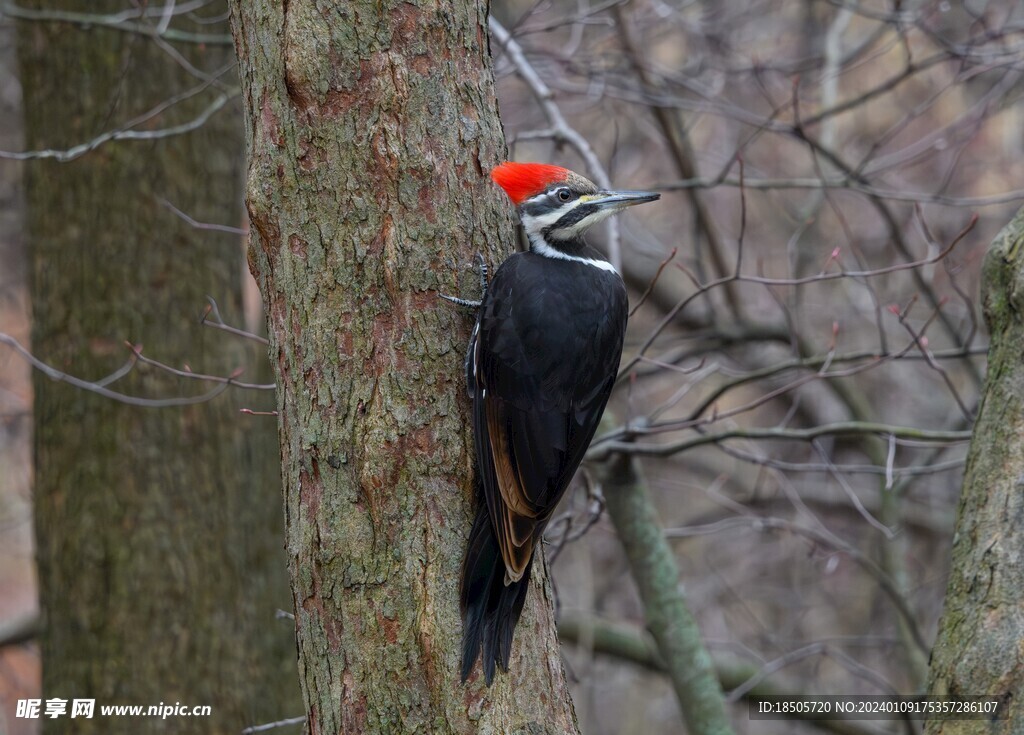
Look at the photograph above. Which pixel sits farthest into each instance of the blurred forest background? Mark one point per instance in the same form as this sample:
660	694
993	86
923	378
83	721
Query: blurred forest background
801	371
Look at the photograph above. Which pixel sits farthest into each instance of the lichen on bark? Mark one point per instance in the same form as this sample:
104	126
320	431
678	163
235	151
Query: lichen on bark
979	649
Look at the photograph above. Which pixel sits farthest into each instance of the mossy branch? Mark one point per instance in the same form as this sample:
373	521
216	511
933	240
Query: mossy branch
669	620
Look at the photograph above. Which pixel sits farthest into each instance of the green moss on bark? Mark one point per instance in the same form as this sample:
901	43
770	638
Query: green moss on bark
979	650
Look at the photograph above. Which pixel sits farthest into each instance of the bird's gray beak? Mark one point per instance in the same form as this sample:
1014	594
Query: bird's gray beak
615	200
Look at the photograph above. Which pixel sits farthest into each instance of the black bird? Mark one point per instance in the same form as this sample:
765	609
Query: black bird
540	367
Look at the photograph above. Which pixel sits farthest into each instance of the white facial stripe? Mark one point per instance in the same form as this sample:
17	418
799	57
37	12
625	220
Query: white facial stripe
535	224
535	199
573	231
539	246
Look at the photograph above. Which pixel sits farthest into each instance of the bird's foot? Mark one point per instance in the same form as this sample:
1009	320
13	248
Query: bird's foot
483	288
461	302
483	273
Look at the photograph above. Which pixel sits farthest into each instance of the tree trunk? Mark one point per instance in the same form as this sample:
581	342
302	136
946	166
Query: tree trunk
978	650
372	128
159	542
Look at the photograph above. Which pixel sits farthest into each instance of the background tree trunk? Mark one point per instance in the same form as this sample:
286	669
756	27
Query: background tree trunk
372	128
158	529
978	650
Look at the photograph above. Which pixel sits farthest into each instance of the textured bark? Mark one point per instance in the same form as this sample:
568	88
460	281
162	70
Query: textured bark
159	541
979	649
372	126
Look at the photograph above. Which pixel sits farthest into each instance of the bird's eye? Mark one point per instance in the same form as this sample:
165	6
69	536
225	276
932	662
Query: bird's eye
564	194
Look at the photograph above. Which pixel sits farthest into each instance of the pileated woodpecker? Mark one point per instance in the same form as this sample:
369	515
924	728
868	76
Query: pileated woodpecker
540	367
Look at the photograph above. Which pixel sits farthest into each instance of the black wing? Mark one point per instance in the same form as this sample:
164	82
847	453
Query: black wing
540	367
543	361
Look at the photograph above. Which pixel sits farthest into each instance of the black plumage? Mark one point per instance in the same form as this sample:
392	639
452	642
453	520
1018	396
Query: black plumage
541	364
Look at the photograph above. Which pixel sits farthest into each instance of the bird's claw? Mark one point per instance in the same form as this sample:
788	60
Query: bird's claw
483	272
461	302
469	303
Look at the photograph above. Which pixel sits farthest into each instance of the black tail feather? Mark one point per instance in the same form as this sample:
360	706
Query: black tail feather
490	609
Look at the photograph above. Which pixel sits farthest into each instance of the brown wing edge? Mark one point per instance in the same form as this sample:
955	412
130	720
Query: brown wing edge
514	523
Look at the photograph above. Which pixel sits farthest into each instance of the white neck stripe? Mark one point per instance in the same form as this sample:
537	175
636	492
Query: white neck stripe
539	245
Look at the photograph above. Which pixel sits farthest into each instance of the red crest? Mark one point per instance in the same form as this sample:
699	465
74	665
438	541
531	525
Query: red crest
523	180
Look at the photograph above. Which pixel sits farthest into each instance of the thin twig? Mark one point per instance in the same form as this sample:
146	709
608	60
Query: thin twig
213	310
203	225
653	282
600	449
115	22
274	725
95	387
71	154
